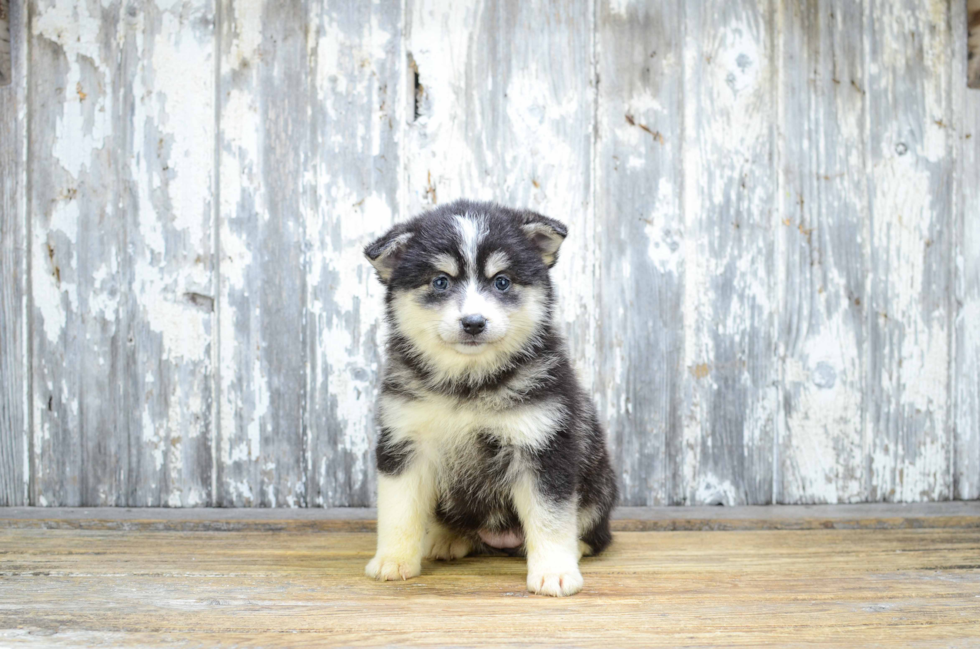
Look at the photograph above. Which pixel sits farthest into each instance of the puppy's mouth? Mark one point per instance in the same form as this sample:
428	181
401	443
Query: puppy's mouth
470	346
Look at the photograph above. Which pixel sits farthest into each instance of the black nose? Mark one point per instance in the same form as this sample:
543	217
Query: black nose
473	324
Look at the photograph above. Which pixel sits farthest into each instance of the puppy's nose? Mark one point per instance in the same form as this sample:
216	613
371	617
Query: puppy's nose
473	324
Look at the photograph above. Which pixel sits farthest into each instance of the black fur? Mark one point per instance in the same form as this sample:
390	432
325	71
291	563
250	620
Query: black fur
574	463
392	456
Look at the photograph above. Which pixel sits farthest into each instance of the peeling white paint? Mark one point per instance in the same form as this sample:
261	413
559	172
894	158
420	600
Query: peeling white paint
664	248
529	143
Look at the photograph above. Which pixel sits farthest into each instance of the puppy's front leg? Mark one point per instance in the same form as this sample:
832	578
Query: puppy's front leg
551	540
405	502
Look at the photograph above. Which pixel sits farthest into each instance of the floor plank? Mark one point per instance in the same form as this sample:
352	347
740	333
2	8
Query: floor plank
77	587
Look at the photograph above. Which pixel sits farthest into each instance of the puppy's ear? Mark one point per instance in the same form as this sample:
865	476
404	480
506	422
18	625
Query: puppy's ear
385	252
545	234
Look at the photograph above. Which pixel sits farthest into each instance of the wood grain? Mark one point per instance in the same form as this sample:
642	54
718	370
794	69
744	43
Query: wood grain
635	519
359	109
265	200
14	360
770	284
973	43
505	112
6	68
824	253
910	163
121	163
966	362
838	588
640	233
730	400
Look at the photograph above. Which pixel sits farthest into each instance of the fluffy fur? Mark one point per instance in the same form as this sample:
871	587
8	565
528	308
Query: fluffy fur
486	442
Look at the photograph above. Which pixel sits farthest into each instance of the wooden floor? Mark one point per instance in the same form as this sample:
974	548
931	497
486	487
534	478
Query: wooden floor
144	582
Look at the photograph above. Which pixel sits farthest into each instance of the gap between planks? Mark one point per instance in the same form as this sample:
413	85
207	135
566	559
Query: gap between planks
957	514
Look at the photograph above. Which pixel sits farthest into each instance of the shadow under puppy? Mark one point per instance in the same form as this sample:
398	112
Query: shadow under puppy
486	440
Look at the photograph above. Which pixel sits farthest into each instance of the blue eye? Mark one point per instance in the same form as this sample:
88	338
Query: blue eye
501	283
440	283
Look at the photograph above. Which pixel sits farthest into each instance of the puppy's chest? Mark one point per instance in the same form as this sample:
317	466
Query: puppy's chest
448	422
474	483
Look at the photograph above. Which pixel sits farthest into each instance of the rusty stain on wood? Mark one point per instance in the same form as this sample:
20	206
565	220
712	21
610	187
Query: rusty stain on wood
657	135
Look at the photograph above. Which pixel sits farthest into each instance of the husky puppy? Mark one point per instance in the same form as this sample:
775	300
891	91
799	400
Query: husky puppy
486	441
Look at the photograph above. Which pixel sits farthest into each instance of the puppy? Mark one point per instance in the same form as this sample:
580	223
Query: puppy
486	442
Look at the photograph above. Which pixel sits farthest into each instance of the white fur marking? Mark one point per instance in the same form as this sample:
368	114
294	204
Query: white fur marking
551	540
405	504
445	422
476	302
471	231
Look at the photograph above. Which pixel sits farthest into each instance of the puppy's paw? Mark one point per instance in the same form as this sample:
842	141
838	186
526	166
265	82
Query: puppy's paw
393	568
445	546
557	583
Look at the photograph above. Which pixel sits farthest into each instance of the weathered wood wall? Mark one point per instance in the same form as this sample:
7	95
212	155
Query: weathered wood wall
772	283
14	410
973	53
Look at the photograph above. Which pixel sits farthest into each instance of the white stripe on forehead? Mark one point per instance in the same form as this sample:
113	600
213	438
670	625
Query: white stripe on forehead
471	232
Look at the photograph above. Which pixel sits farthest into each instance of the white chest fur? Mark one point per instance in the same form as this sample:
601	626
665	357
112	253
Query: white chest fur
447	422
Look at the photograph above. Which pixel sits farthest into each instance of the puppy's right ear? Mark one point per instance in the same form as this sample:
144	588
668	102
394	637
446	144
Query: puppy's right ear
385	253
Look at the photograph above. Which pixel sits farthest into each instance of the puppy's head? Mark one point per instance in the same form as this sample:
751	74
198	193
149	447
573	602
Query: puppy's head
468	284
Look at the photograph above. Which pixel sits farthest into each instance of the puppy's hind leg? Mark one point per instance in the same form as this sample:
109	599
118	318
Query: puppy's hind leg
550	538
593	530
442	544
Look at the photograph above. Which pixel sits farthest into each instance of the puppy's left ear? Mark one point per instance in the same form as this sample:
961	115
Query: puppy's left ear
545	234
385	252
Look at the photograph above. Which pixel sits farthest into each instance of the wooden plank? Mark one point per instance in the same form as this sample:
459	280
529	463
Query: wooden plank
910	161
265	184
6	46
121	161
14	363
973	43
966	362
824	258
828	587
640	229
356	519
505	112
359	111
730	395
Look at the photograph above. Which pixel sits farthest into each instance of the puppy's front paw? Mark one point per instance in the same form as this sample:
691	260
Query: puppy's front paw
557	583
392	568
445	546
